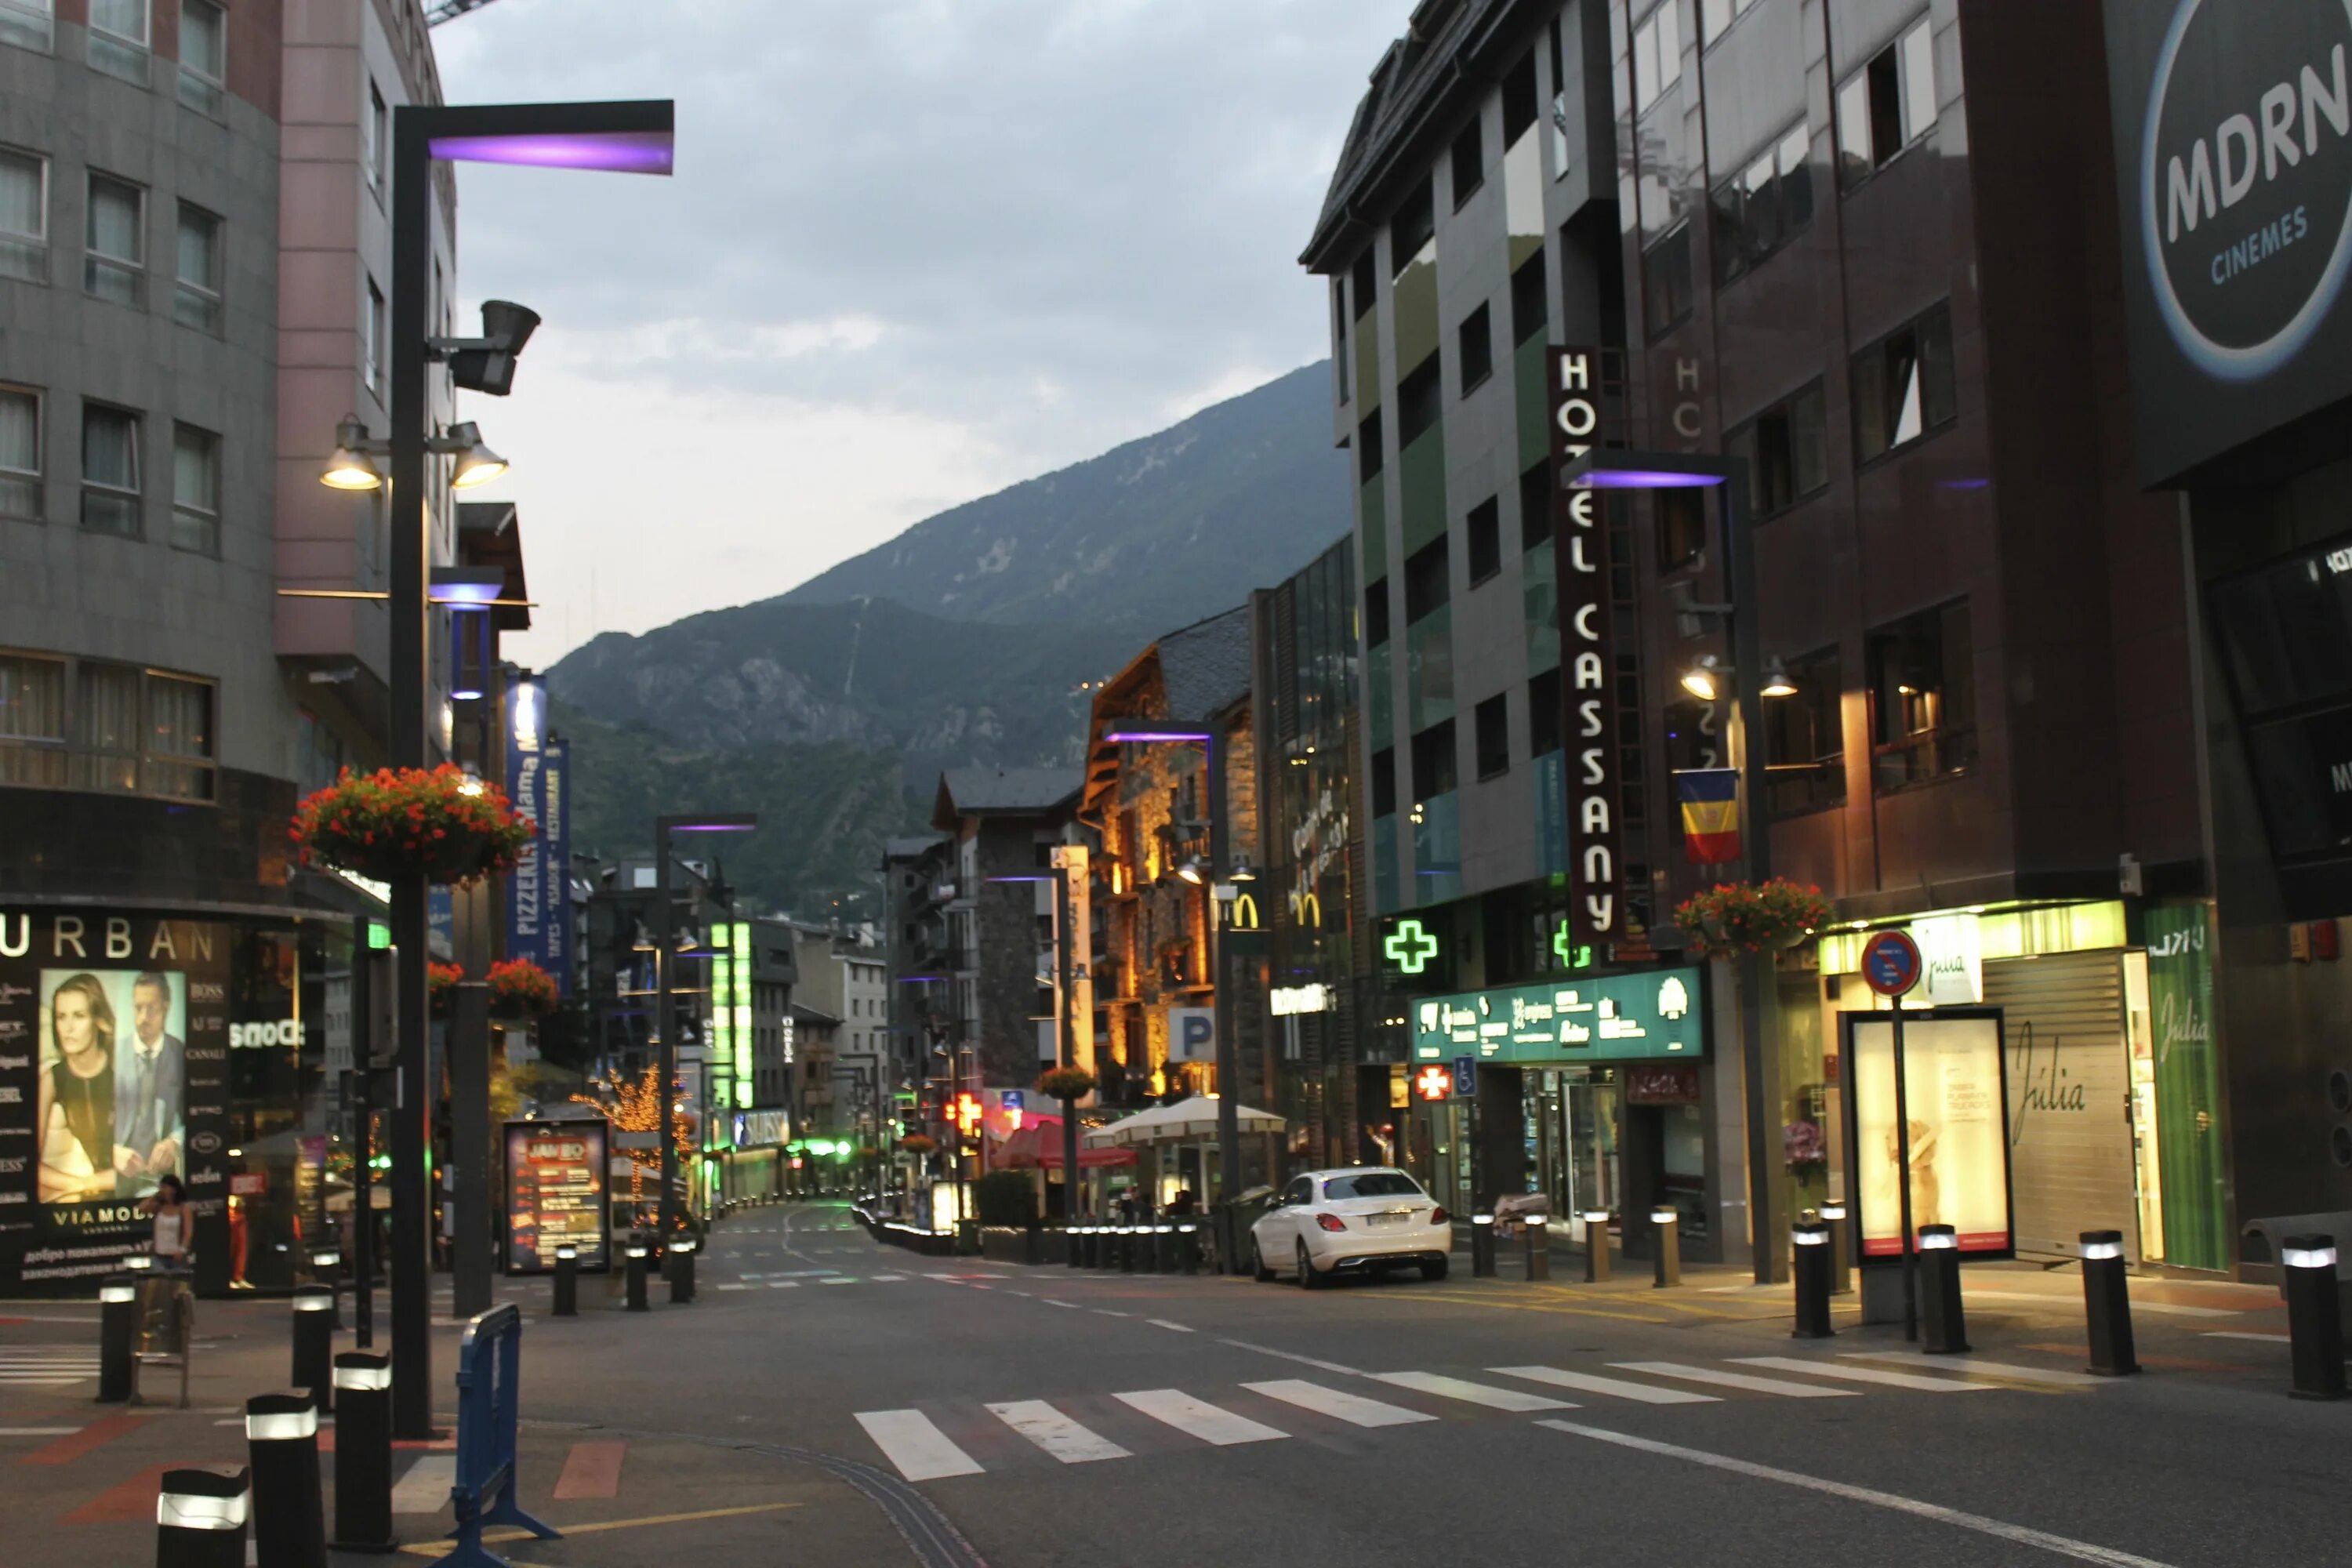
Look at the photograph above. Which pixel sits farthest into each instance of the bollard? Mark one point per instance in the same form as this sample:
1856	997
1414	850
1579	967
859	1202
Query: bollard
140	1263
281	1439
1482	1247
1073	1244
2107	1304
118	1332
314	1345
1537	1237
1944	1327
1596	1247
200	1517
1841	1248
325	1265
636	1260
363	1452
1163	1249
681	1270
1666	1266
1126	1249
1812	1274
2314	1321
567	1281
1187	1247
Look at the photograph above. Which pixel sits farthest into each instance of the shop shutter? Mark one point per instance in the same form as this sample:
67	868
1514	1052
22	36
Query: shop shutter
2069	1098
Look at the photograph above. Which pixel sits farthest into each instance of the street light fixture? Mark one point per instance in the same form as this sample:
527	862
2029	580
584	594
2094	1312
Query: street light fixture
353	466
477	464
1704	679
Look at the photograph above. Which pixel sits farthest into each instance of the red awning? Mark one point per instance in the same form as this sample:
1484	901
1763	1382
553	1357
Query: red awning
1038	1146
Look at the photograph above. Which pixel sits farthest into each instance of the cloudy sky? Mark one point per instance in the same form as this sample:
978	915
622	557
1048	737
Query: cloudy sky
915	250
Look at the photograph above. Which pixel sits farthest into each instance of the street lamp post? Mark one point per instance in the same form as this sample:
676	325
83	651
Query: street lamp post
1617	469
666	1000
636	137
1229	1066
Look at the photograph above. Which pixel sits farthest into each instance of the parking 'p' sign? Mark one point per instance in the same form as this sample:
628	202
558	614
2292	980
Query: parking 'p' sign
1890	962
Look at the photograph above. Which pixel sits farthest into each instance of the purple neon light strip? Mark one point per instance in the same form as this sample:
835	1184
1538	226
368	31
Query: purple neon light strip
1643	479
1141	737
613	151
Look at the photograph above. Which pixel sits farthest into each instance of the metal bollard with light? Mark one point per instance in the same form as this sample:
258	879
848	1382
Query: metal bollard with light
567	1282
2107	1304
363	1452
1537	1238
1942	1325
1596	1247
289	1521
118	1335
1073	1244
1667	1245
1187	1247
200	1517
1126	1249
139	1263
637	1251
314	1343
326	1266
1163	1249
681	1270
2314	1320
1482	1245
1841	1248
1811	1272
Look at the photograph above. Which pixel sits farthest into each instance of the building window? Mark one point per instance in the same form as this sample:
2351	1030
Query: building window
1715	16
118	38
1384	790
28	24
23	215
115	266
204	55
1477	356
195	490
110	470
1492	736
1682	526
1376	613
1426	588
1667	281
1902	386
1887	105
31	719
1340	366
1766	206
1483	533
1543	712
1922	707
1657	56
196	300
1414	225
1433	767
1535	506
1420	401
372	333
177	761
141	731
1469	163
1364	290
1786	451
1369	457
1530	301
378	148
1805	739
20	452
1519	99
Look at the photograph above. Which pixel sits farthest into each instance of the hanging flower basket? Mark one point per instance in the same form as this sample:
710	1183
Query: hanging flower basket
1068	1085
917	1144
440	985
1751	917
522	989
451	828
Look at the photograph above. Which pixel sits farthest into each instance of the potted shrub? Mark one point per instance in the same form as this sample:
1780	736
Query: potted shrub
521	989
1068	1085
1752	917
442	823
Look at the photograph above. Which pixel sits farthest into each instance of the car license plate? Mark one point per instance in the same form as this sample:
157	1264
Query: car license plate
1385	1218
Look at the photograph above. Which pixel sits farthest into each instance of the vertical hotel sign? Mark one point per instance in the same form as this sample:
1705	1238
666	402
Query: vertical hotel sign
537	908
731	1039
1588	664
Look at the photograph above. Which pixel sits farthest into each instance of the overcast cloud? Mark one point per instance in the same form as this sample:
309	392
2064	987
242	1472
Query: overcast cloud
915	250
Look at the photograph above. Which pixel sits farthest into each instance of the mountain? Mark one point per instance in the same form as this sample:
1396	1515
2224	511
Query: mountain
1156	533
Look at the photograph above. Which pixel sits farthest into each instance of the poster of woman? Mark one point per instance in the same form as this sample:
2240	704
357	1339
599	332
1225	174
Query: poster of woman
113	1082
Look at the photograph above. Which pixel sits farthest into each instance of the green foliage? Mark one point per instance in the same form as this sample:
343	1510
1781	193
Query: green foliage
1004	1198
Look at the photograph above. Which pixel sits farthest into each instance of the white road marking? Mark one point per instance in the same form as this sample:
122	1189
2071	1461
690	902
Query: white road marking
33	1380
2069	1303
65	1431
425	1488
920	1450
1164	1323
1472	1393
2066	1546
1056	1301
838	1279
1994	1369
1057	1433
2264	1339
783	1284
1294	1355
1105	1312
734	1287
1198	1417
1587	1383
1349	1407
1733	1380
1865	1375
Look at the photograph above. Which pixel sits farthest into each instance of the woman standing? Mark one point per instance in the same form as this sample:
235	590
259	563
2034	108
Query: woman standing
175	1223
77	1127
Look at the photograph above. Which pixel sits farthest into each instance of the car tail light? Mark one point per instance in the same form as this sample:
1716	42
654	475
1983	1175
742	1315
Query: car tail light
1439	1216
1330	1222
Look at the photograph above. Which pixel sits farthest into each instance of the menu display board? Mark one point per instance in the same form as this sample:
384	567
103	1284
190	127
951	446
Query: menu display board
555	1194
1956	1098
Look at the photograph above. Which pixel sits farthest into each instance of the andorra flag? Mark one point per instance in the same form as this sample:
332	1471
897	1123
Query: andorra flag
1710	802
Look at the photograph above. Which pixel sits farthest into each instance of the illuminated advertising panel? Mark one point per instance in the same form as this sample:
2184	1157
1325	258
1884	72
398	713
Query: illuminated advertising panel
1957	1104
555	1194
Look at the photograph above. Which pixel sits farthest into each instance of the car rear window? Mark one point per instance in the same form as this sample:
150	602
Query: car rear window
1373	1185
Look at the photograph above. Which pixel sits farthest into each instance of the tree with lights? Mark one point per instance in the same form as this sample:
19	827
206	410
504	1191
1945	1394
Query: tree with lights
637	1108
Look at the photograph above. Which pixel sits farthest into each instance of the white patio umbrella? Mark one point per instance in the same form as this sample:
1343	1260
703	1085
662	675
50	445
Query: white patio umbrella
1189	1121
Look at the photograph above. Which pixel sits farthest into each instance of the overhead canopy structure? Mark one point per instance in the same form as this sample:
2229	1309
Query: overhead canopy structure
1187	1120
1037	1146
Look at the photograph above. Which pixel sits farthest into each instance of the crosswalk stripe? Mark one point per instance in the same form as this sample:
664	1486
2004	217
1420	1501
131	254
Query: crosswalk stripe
425	1488
838	1279
1587	1383
783	1284
734	1287
1349	1407
1733	1380
1474	1392
1865	1375
24	1381
919	1450
2262	1339
1969	1364
1198	1417
37	1431
1057	1433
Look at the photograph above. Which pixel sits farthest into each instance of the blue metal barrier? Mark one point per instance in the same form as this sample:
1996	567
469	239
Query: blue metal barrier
489	1398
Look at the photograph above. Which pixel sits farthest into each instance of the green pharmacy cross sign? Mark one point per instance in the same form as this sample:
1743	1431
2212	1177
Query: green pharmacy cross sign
1411	946
1651	1015
1571	954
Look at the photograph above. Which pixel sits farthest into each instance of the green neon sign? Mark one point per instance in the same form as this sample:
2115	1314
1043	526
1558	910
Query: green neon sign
379	935
1571	954
1411	946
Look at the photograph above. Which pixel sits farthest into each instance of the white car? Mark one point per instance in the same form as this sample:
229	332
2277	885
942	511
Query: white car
1365	1219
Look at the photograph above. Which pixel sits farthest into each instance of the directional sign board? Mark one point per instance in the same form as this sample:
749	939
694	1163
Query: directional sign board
1465	1077
1890	962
